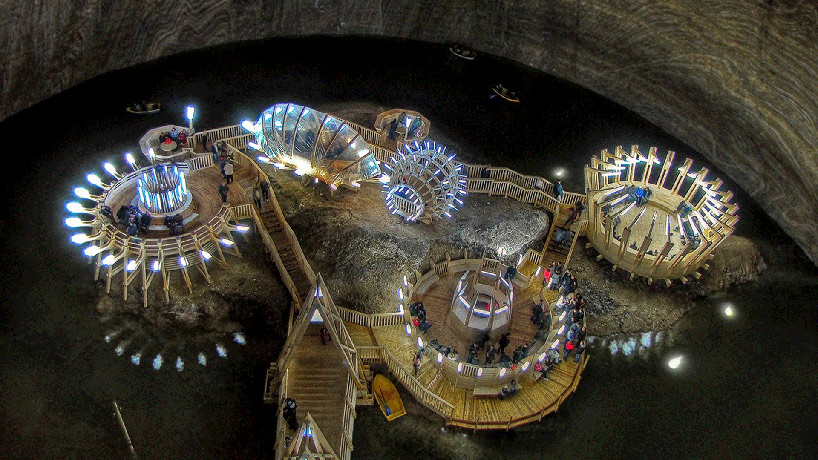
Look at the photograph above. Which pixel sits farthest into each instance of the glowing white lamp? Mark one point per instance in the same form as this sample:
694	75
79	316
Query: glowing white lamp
110	168
729	311
242	228
131	265
95	180
190	112
420	342
479	371
541	357
183	261
674	362
384	179
502	372
82	192
556	343
91	251
108	260
79	238
459	367
226	242
73	206
525	366
151	153
74	222
408	330
206	255
254	145
439	357
130	159
262	158
250	126
155	266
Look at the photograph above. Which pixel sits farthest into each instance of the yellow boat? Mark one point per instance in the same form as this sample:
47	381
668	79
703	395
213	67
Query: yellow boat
387	397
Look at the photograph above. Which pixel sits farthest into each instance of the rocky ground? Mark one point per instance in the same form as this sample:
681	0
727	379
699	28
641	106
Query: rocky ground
245	296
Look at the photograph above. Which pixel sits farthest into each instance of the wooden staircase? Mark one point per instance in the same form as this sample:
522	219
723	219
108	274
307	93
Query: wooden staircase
317	380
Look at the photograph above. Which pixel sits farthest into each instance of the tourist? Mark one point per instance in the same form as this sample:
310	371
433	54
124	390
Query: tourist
144	221
174	134
289	412
393	129
491	352
216	154
511	272
538	371
106	211
556	276
574	213
424	326
581	333
516	356
228	172
536	313
223	189
546	278
183	138
416	363
580	349
265	189
505	361
558	191
324	334
503	343
569	347
414	127
257	196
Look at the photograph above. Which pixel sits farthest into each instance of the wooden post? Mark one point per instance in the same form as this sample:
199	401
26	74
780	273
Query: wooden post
124	431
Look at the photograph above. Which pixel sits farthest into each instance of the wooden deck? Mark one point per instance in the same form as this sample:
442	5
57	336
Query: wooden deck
317	380
437	302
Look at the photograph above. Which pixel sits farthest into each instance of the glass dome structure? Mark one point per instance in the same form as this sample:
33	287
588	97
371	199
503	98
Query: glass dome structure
315	143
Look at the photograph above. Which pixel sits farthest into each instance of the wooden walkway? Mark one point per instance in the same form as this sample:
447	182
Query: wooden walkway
317	380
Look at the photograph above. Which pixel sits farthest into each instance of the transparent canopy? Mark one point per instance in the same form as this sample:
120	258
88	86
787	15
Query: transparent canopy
316	143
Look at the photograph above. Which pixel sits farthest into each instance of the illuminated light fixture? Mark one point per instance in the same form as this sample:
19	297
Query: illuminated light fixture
562	316
205	255
131	265
613	190
91	251
263	159
73	206
541	357
562	329
420	342
182	261
351	183
667	226
439	357
190	111
300	172
525	366
405	282
556	343
459	367
250	126
77	222
226	242
130	159
79	238
108	260
242	228
384	179
674	362
479	371
151	153
408	330
400	294
502	372
363	152
82	192
255	146
111	170
400	308
728	311
279	165
95	180
155	266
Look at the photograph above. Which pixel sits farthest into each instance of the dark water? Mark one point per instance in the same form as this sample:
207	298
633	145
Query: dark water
745	390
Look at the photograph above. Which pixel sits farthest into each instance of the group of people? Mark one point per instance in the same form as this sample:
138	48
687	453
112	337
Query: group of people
412	128
174	135
261	192
131	219
175	223
418	313
556	277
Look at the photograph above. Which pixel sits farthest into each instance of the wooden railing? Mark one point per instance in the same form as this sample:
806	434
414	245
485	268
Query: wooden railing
371	319
345	449
418	390
282	425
